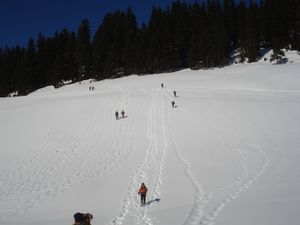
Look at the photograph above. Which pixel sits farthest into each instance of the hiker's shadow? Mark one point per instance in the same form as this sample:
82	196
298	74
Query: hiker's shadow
119	118
151	201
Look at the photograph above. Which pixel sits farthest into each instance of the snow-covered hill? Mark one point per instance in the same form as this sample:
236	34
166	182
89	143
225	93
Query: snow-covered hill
228	153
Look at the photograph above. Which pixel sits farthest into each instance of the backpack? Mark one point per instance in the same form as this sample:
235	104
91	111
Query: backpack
82	219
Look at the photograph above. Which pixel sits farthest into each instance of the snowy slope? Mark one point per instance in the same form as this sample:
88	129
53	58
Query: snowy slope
227	154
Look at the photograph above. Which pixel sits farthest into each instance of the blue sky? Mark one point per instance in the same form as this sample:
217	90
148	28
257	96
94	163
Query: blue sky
21	19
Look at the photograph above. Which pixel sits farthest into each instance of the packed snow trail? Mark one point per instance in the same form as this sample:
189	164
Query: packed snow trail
153	160
200	198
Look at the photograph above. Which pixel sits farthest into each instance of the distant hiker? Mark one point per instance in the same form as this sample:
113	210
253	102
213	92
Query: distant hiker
123	114
173	104
174	92
83	218
117	115
143	192
162	85
93	88
90	88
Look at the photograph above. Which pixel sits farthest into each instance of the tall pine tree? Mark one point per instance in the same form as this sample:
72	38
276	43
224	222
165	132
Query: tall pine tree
83	49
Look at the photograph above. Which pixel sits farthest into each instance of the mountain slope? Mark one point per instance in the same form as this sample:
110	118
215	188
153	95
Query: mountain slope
226	154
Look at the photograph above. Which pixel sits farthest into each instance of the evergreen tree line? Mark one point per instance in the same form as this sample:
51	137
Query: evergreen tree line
198	35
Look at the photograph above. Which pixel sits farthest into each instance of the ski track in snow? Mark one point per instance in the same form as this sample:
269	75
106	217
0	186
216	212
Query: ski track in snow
117	152
154	156
200	198
243	182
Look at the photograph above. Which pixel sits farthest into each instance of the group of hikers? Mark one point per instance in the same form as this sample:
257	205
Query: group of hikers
85	218
174	93
123	113
118	116
91	87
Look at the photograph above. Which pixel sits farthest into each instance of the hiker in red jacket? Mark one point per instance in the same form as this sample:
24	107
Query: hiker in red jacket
143	191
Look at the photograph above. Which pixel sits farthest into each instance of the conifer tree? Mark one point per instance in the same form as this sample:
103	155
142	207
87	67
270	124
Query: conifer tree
157	49
98	53
230	19
130	40
83	49
181	33
198	42
241	30
114	31
142	48
252	45
293	17
24	71
69	56
42	63
218	43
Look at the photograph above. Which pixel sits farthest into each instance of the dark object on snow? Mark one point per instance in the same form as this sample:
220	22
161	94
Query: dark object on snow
162	85
123	114
143	192
151	201
82	218
174	92
117	115
173	104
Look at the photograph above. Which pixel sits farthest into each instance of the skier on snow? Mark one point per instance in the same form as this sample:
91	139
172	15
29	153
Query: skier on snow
143	192
173	104
117	115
